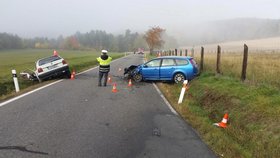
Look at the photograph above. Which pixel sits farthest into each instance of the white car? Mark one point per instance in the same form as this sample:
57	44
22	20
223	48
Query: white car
50	67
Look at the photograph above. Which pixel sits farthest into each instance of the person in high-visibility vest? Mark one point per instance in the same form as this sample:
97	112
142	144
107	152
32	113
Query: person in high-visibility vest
104	67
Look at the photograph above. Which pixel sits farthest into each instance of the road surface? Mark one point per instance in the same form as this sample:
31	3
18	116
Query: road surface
77	119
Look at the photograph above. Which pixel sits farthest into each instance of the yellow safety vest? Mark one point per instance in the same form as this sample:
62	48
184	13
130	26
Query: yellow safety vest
104	65
104	62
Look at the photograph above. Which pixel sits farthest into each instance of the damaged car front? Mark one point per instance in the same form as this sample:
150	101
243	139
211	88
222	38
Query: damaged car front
133	72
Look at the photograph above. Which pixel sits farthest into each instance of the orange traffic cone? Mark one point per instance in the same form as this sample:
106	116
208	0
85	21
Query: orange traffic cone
223	123
129	83
109	79
114	90
55	53
73	75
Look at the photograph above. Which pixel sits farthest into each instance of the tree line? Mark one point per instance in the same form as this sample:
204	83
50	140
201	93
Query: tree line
95	39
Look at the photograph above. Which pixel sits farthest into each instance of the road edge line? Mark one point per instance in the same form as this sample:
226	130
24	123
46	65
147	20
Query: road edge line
27	93
165	100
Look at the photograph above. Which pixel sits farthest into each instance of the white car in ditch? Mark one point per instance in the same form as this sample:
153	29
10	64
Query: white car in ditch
53	66
49	67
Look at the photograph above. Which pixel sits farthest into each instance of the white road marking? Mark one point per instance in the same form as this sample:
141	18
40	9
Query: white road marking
165	100
35	90
25	94
86	70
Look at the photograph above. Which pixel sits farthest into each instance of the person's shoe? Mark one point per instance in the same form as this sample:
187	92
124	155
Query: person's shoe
99	85
104	85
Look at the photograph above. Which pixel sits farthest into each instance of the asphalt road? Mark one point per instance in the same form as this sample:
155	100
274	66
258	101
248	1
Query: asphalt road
77	119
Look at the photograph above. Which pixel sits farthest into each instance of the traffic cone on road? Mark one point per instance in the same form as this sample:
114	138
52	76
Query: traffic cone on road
73	75
114	90
223	123
129	83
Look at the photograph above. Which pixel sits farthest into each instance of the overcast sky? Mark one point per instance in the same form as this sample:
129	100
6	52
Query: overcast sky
51	18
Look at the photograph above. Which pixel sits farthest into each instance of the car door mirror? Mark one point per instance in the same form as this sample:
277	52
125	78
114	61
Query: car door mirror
145	66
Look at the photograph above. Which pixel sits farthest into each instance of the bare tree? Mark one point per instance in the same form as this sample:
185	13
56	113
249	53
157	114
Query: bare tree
153	38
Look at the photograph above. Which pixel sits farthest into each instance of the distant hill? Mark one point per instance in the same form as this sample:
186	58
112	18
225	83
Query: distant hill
271	44
231	30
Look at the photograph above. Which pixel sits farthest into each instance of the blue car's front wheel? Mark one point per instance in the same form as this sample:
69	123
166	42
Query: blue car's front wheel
179	78
137	77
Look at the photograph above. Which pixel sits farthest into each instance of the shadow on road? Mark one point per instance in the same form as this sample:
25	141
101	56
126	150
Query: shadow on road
22	148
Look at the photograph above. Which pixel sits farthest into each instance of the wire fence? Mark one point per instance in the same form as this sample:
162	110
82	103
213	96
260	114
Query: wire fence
254	66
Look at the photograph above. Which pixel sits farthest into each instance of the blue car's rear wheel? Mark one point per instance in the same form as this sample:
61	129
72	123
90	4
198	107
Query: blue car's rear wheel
179	78
137	77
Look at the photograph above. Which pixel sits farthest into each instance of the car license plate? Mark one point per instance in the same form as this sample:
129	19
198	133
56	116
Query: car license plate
52	67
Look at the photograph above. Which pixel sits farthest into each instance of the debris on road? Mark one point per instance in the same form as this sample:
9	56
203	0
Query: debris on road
156	132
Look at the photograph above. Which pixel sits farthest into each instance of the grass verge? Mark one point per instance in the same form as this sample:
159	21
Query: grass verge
254	111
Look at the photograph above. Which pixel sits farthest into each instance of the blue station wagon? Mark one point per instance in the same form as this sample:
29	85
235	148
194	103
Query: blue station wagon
167	68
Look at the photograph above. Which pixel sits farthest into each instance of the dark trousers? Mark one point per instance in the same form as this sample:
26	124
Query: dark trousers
100	76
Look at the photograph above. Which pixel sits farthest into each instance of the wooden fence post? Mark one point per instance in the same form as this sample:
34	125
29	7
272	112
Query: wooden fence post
175	52
201	59
244	65
186	52
170	53
192	52
180	52
218	69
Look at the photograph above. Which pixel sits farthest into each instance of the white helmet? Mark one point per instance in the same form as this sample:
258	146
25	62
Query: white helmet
104	51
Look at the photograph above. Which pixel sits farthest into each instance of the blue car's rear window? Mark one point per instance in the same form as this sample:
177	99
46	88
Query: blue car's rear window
181	62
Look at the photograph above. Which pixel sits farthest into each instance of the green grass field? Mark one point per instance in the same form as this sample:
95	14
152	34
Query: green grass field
22	59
